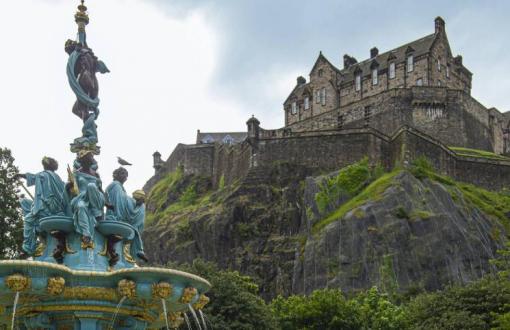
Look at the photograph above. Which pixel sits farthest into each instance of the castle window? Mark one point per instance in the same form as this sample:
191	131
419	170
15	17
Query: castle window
323	96
367	115
439	83
410	63
358	82
375	77
294	108
438	64
307	103
340	121
320	72
317	96
448	71
392	70
228	140
419	82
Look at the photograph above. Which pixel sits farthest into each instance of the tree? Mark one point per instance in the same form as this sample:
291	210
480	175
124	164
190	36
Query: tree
235	303
11	223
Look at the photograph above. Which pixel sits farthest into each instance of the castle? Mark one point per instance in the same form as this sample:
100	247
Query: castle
412	101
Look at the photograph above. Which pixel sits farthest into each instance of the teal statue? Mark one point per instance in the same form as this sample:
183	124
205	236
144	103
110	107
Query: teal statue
88	202
82	67
121	207
50	199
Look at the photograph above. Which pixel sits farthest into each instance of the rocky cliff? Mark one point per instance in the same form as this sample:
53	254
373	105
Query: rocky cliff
408	229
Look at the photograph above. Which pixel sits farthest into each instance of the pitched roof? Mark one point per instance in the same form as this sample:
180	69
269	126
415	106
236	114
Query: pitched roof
219	137
418	47
299	90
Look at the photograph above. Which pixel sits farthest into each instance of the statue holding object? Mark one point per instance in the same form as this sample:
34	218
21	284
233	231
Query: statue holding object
50	199
121	207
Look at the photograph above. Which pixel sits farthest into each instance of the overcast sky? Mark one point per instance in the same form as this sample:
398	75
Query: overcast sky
182	65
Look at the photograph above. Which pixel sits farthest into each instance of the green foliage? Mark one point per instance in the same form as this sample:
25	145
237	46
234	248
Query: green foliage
159	193
235	303
401	213
349	181
372	192
389	281
189	196
478	153
322	310
478	305
11	223
495	204
330	309
221	184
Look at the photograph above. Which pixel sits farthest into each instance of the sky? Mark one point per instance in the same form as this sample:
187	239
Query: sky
182	65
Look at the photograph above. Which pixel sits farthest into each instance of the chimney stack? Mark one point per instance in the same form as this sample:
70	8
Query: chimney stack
301	80
348	61
374	52
439	24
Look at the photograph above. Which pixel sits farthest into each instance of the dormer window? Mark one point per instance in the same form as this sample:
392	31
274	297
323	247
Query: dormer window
228	140
293	108
392	70
410	63
357	82
307	103
375	76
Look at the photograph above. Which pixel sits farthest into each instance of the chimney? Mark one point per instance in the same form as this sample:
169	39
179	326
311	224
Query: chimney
457	60
301	80
439	24
374	52
348	61
157	161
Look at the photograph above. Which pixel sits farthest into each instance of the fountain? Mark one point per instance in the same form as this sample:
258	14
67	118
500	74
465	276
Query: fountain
84	242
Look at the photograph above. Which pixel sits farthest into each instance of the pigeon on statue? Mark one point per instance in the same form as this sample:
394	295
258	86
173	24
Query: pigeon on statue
123	162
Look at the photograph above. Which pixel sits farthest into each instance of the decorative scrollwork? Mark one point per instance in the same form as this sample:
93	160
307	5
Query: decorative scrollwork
188	295
56	285
161	290
127	255
202	301
127	288
18	282
175	320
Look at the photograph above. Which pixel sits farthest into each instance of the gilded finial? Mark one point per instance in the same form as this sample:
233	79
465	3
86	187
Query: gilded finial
81	17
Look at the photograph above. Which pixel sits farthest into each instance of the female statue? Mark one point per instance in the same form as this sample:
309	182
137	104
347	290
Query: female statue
89	201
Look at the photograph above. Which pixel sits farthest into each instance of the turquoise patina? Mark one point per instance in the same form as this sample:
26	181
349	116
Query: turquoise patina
85	243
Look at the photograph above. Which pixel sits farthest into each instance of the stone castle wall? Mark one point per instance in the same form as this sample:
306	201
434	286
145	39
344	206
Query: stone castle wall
333	149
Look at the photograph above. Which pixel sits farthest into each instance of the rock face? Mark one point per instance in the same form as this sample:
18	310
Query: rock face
415	234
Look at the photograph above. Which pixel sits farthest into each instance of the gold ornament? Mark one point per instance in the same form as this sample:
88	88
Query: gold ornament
18	282
56	285
39	251
127	255
90	293
175	320
202	301
127	288
88	245
161	290
188	295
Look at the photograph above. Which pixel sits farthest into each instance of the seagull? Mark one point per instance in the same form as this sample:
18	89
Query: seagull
123	162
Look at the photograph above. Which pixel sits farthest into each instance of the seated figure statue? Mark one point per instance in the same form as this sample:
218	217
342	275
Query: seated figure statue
49	199
121	207
88	203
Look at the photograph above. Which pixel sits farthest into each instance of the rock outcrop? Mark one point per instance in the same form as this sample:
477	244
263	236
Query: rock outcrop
401	231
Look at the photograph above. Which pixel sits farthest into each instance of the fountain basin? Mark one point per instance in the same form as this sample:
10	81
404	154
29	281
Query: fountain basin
63	294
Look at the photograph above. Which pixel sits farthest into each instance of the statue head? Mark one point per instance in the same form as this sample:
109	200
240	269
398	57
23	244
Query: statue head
49	164
120	174
70	46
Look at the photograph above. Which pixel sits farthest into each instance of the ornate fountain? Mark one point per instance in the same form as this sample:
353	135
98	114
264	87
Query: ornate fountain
83	243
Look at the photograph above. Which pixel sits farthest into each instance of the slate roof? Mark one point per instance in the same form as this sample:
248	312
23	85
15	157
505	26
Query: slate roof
418	47
221	137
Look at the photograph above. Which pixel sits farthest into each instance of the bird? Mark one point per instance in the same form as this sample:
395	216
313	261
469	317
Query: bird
123	162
